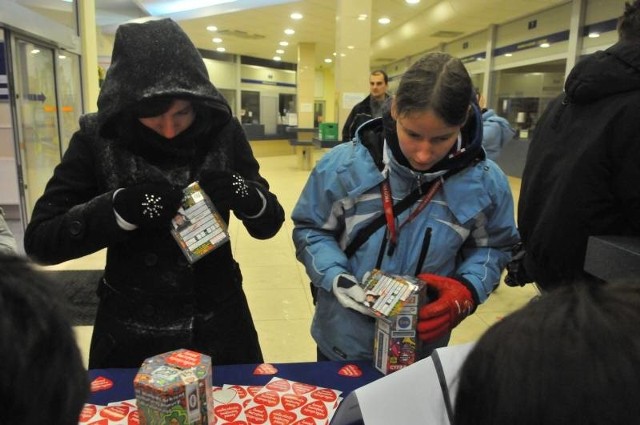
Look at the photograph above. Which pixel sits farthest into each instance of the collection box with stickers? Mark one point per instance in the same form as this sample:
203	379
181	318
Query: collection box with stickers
396	343
174	388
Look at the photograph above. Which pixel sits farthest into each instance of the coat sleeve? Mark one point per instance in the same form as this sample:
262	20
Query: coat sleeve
487	250
73	217
318	219
269	222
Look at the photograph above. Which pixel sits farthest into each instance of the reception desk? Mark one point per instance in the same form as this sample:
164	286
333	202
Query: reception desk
324	374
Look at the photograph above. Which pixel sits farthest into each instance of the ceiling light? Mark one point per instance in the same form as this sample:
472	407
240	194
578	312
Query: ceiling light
284	43
62	57
362	17
412	1
351	47
296	15
384	21
280	52
221	49
216	40
328	60
594	34
544	45
212	28
508	55
277	58
289	31
167	7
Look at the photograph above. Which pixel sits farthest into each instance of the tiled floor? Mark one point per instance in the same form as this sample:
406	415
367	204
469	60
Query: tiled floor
277	285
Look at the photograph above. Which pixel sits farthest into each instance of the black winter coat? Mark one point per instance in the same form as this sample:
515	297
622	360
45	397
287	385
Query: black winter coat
151	299
583	166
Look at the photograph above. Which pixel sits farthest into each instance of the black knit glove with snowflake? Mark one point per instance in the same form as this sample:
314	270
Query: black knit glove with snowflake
148	205
229	190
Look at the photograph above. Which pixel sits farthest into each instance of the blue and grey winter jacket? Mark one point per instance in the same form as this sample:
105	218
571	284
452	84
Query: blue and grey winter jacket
471	218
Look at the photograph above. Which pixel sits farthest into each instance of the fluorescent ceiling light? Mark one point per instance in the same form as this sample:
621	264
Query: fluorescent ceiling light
165	7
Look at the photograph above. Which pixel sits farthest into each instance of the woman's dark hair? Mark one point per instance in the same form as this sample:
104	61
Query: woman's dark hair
570	357
42	377
629	22
437	82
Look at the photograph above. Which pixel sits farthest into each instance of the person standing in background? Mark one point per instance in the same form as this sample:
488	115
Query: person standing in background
496	130
7	240
428	143
370	107
582	169
161	125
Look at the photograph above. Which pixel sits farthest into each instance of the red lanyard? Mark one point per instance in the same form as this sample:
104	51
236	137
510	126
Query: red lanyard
387	203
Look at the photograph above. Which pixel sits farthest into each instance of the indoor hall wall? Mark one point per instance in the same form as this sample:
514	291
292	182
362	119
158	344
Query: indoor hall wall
598	11
517	33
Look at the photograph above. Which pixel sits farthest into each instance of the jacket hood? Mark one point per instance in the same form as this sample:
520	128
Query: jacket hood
373	132
150	59
605	73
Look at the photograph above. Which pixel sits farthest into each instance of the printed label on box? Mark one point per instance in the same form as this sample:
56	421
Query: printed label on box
198	227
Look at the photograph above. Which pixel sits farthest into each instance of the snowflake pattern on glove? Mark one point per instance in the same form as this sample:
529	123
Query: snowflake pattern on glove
152	206
240	186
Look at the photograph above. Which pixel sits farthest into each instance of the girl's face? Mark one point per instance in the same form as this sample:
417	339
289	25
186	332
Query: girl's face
174	121
424	138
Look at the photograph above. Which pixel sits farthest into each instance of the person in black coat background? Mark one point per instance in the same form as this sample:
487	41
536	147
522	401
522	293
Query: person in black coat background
582	169
161	125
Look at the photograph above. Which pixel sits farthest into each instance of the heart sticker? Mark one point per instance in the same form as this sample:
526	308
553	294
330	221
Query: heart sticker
100	383
88	411
256	415
316	410
265	369
324	394
292	401
115	413
282	417
281	385
134	418
267	398
224	396
350	370
300	388
228	412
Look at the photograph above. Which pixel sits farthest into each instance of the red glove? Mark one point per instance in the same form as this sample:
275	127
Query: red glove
452	304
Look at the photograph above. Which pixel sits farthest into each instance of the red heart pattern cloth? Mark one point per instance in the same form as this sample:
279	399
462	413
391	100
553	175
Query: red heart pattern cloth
279	402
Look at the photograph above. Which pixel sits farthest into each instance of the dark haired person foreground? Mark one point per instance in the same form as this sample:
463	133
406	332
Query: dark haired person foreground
160	125
569	357
370	107
42	379
581	175
429	142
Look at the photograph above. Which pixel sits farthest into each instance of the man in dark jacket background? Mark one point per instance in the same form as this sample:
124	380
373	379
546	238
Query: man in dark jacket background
370	107
582	172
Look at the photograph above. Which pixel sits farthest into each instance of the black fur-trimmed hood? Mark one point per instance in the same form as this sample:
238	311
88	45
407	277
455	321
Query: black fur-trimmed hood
154	58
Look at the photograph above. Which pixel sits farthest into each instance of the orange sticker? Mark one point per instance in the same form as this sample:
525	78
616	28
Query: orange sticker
265	369
350	370
101	383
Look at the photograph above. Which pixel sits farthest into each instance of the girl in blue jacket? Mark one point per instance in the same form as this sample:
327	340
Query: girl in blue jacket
431	134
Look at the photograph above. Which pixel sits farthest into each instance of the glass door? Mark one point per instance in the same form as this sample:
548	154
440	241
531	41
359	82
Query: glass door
38	144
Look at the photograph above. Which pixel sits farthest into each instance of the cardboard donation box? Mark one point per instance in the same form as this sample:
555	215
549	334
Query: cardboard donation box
174	388
396	343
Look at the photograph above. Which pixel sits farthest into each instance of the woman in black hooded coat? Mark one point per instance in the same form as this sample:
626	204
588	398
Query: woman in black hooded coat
161	125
